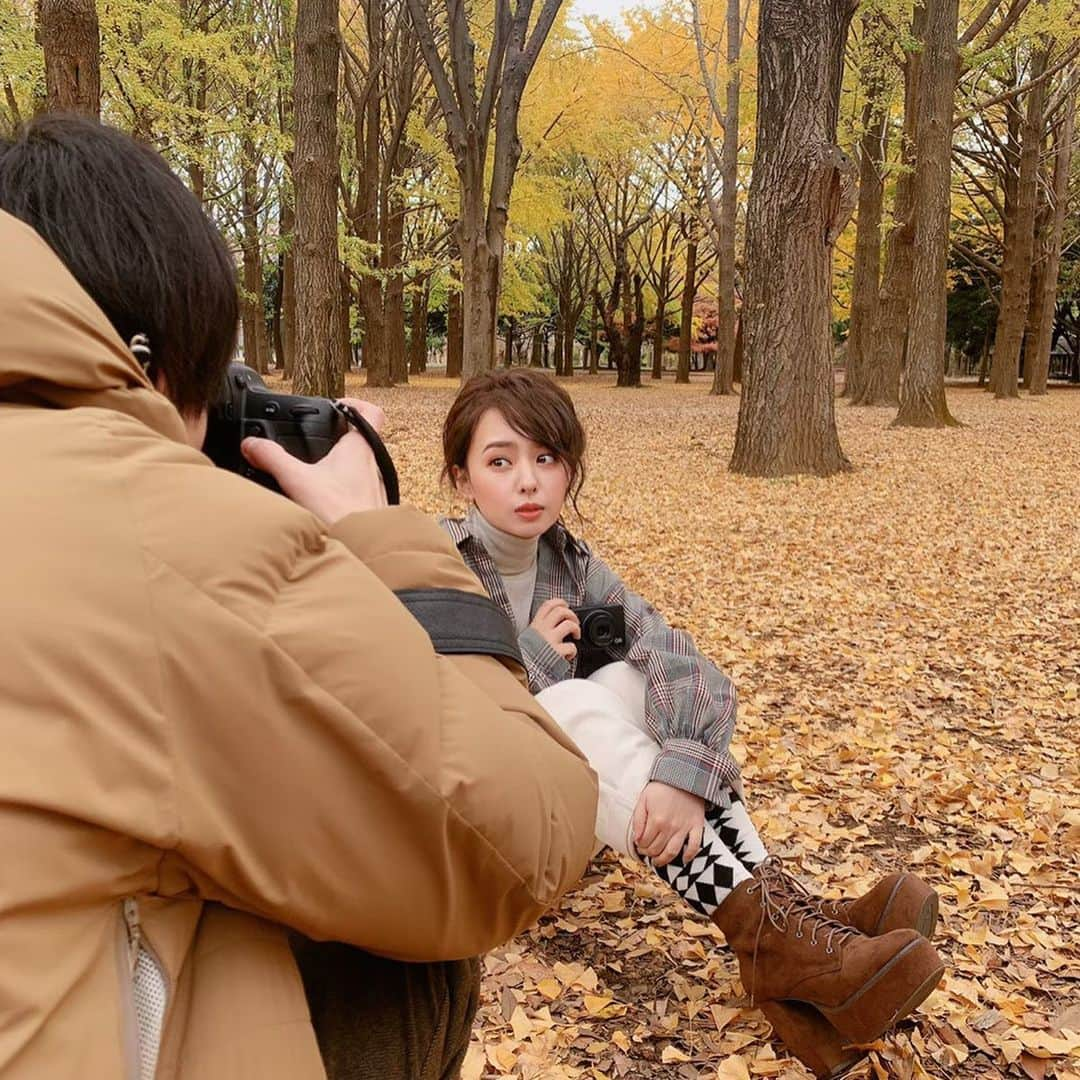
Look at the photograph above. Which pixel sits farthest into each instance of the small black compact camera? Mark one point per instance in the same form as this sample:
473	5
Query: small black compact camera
603	631
308	427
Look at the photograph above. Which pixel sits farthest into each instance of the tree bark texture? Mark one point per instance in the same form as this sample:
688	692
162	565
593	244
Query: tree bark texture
686	322
319	365
787	421
455	339
922	396
883	365
1020	243
418	317
71	41
724	376
1037	367
865	284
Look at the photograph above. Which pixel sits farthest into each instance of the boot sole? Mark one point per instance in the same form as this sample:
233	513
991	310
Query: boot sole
925	921
808	1036
925	973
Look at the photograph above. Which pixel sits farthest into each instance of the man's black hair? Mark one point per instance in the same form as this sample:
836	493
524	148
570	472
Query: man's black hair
135	238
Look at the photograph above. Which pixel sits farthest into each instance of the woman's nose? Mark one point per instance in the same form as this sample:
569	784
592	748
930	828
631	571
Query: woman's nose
527	480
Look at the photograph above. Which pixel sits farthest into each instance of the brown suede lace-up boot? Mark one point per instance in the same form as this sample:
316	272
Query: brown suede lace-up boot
823	985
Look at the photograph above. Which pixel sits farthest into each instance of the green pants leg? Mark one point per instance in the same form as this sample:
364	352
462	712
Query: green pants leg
379	1019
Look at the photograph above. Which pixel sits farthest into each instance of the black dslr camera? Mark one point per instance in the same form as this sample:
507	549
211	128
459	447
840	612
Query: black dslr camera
307	427
603	630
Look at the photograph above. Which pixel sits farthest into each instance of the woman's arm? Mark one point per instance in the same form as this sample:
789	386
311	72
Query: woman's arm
690	704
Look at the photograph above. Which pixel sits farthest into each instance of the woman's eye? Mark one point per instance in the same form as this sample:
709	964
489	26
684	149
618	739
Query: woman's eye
546	459
499	462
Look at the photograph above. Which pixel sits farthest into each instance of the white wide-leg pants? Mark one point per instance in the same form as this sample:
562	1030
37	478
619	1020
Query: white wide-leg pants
605	716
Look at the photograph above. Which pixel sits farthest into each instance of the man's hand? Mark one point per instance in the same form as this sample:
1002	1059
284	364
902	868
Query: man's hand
344	482
555	622
667	821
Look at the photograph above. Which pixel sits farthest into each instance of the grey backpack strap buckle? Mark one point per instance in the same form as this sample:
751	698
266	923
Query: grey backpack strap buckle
460	622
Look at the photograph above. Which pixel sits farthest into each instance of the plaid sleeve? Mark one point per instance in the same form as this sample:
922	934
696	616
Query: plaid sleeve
690	703
545	667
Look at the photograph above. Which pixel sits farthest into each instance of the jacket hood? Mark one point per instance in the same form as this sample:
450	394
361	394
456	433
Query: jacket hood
57	348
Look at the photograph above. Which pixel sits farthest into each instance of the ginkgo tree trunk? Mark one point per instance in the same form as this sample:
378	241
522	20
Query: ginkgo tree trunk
801	196
471	118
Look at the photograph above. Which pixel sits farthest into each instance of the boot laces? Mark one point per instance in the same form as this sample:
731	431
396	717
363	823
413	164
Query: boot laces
784	899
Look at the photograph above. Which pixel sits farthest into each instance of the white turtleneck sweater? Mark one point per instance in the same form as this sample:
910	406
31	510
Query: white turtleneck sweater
515	559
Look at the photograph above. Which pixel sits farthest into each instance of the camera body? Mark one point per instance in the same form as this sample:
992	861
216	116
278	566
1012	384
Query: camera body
307	427
603	629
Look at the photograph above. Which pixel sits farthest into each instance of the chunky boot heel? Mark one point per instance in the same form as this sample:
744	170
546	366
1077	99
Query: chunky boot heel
811	1038
891	992
897	902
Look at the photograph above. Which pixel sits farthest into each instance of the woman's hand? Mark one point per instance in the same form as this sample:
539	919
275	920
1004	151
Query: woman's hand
555	622
344	482
667	821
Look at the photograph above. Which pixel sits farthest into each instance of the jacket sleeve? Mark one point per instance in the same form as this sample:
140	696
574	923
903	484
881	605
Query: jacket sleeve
544	666
690	704
336	775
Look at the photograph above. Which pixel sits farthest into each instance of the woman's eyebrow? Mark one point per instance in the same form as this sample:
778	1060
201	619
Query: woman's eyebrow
493	445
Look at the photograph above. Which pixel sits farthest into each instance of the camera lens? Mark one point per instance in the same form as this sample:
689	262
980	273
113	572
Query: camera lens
599	629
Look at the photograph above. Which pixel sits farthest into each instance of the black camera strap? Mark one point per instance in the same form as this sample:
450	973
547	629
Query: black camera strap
378	448
460	622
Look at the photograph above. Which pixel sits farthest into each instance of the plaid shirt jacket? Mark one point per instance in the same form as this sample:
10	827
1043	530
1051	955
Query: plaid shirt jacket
689	702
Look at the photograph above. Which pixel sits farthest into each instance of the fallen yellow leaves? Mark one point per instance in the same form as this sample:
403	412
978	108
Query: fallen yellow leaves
906	644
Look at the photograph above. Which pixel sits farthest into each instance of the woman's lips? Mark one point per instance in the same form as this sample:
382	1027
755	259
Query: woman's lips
531	513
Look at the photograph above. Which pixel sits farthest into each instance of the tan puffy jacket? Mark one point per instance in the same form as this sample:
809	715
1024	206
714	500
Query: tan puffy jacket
206	697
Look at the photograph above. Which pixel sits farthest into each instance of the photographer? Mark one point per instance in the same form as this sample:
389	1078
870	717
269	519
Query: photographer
218	721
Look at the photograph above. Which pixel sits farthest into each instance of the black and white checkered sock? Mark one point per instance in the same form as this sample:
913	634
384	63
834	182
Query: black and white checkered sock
733	825
705	882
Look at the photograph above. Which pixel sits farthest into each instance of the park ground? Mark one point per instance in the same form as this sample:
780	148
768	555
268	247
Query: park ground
906	644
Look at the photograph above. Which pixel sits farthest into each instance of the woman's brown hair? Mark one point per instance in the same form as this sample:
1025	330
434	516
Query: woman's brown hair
533	404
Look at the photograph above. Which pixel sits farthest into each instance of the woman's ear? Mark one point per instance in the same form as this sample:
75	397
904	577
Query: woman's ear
461	482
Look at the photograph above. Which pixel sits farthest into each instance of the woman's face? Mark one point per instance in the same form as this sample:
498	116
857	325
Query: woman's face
517	484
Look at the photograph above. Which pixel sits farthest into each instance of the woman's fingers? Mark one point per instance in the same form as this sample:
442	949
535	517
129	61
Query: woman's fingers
694	840
671	848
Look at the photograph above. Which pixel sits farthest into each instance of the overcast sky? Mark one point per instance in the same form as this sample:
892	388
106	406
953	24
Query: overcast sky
606	9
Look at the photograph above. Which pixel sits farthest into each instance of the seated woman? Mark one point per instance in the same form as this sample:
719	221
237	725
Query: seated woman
656	725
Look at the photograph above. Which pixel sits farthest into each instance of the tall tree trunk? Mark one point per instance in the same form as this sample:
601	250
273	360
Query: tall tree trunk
288	290
394	247
724	375
864	290
883	365
922	397
344	326
418	317
686	324
68	33
455	340
508	343
568	350
658	336
480	277
787	421
1038	363
537	357
319	365
594	341
253	316
1019	248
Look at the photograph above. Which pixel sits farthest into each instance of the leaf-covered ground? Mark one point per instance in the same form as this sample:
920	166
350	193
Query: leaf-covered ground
906	644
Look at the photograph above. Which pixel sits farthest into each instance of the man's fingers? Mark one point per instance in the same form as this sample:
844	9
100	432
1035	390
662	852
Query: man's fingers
368	410
268	456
